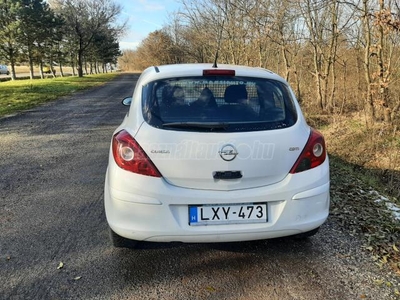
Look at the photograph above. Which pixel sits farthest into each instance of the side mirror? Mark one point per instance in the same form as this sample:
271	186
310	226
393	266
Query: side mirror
127	101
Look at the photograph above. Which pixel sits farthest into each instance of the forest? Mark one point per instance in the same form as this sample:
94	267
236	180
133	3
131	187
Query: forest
340	57
80	34
337	55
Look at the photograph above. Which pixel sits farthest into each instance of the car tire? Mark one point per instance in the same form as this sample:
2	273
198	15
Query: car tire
306	235
121	242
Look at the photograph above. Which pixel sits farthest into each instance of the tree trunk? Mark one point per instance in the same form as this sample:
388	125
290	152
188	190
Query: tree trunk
285	62
369	104
298	91
80	63
73	64
41	70
383	84
331	62
12	62
30	60
317	76
61	70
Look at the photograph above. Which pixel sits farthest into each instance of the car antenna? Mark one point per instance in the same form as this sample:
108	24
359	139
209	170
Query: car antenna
219	45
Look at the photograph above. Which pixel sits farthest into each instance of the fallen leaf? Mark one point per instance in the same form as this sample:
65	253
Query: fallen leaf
375	257
60	265
378	282
384	259
395	248
363	296
210	288
78	277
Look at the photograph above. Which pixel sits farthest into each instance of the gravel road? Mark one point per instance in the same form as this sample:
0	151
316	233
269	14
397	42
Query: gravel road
52	166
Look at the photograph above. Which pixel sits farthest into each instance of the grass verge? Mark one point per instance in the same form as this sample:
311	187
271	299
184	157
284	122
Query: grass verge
365	211
19	95
365	182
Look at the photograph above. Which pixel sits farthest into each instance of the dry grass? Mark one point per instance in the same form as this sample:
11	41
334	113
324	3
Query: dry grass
373	151
25	69
365	178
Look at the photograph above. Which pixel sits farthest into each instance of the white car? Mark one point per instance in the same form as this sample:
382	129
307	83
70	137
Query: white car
214	154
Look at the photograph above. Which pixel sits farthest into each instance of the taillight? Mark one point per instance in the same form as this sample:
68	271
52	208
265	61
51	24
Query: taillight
130	156
218	72
313	155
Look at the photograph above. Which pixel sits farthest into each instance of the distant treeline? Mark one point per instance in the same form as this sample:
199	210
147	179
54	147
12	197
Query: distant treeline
76	33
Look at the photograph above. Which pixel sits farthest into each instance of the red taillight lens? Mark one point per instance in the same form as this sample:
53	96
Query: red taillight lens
313	155
218	72
130	156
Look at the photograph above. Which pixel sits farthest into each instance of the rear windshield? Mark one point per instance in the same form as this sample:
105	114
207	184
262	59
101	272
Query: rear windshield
218	104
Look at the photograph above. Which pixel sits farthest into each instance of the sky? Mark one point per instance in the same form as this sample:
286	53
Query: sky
144	16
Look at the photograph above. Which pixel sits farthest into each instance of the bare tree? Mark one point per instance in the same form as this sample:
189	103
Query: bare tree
381	26
202	24
369	104
324	48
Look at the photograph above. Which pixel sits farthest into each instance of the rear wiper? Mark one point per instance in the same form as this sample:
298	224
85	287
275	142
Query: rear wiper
208	125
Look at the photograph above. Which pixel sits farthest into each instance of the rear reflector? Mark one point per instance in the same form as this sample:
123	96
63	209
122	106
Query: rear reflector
218	72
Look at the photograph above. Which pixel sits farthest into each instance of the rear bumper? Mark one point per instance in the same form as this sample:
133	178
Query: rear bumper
153	210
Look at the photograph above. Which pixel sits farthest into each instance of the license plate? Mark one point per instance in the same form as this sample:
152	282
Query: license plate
228	214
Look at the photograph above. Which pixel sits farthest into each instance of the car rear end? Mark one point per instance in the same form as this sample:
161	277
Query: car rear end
215	155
